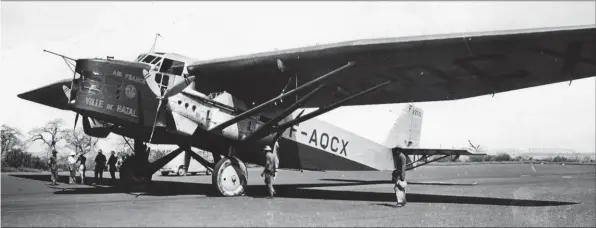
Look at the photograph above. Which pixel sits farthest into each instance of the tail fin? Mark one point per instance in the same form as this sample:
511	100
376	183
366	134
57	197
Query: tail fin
406	130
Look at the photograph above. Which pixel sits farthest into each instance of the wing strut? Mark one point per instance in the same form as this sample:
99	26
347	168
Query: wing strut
328	108
259	133
263	105
425	162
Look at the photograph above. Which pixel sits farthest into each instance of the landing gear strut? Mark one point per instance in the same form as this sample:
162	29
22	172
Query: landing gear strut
134	172
230	177
134	175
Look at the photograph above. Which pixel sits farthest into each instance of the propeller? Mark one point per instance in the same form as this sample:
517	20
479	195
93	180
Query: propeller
179	87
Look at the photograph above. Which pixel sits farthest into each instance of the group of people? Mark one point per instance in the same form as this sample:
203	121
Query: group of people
79	163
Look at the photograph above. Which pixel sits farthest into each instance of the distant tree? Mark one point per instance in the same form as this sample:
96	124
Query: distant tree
126	145
10	138
157	154
50	134
559	158
19	159
80	142
503	157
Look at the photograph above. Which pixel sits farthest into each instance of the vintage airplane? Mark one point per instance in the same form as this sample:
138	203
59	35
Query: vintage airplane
232	107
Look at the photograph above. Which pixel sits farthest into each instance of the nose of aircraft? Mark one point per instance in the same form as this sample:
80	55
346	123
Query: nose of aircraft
53	95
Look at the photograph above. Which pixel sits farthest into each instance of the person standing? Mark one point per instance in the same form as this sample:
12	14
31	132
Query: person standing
82	167
270	170
112	166
399	177
72	167
100	165
53	164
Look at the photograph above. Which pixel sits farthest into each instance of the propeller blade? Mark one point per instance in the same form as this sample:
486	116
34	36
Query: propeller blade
179	87
76	120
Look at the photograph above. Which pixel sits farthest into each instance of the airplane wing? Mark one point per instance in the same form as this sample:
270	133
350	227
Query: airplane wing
423	68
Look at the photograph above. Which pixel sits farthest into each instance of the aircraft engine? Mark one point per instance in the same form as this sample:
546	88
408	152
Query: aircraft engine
113	91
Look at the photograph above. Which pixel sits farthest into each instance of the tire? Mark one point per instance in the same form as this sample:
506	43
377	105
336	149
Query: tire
230	177
133	176
181	172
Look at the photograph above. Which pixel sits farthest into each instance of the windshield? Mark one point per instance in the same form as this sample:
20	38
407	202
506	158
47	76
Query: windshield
169	66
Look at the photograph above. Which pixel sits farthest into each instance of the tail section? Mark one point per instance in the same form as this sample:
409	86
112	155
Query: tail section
406	130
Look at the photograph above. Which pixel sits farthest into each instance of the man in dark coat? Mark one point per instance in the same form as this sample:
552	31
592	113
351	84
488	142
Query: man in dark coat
112	165
100	164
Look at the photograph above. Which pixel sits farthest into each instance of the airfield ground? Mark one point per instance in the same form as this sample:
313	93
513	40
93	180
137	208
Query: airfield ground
471	195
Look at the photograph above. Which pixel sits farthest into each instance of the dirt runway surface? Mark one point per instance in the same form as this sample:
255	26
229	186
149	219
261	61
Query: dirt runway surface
470	195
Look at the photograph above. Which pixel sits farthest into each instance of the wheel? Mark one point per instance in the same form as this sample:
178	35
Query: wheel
165	173
133	175
230	177
181	172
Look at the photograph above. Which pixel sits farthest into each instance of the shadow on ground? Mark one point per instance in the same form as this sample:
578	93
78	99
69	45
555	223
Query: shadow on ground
300	191
409	182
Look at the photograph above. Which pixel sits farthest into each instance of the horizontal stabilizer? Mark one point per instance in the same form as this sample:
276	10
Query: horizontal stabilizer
429	152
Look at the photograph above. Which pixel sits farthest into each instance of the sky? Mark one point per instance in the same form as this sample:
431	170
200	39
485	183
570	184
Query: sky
551	116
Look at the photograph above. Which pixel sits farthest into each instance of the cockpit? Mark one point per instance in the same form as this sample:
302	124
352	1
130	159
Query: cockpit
166	70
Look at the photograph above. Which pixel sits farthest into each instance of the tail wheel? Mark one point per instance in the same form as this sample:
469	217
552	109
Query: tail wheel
230	177
133	175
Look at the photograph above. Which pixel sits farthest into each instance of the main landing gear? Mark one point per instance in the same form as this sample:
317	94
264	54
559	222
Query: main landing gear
136	171
230	177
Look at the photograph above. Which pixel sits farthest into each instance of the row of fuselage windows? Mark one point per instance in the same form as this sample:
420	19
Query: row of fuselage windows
194	107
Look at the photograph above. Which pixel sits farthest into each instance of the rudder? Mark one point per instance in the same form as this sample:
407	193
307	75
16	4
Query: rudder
406	130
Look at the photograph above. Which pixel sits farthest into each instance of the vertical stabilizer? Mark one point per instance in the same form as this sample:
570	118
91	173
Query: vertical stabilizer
406	129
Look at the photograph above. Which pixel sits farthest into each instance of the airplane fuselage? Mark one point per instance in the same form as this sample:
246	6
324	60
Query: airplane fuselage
114	94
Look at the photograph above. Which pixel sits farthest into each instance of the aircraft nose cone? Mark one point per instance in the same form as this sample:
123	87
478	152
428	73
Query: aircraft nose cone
52	95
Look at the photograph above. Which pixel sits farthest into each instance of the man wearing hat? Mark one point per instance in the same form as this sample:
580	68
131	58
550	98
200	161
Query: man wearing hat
271	164
399	177
54	167
82	160
72	167
100	165
112	165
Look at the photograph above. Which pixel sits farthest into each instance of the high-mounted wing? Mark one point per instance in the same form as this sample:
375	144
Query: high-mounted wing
425	68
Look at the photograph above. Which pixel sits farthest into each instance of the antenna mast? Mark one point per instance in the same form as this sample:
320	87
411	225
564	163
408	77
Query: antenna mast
152	47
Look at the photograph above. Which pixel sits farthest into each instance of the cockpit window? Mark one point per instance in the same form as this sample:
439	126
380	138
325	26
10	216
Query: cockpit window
148	59
172	67
156	60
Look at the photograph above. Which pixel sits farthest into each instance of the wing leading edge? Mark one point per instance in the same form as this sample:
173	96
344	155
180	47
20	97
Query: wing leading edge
428	68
